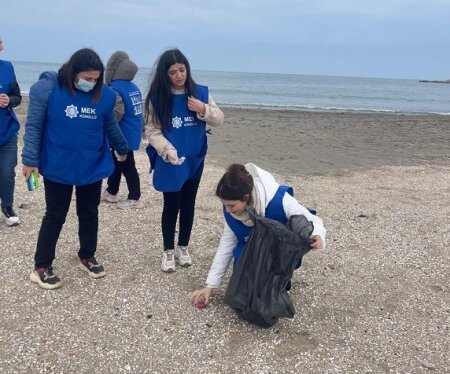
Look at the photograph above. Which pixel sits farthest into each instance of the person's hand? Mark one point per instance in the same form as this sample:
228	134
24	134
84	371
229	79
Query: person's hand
196	105
27	170
120	158
202	294
4	100
172	157
316	242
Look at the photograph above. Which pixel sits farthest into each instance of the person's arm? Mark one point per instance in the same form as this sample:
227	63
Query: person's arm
293	207
119	143
156	138
223	257
34	125
219	267
119	108
213	115
15	97
210	113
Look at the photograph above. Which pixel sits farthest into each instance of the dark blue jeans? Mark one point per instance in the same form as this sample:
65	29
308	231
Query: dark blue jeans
8	162
57	199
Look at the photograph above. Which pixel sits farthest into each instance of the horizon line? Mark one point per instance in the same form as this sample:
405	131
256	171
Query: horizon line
253	72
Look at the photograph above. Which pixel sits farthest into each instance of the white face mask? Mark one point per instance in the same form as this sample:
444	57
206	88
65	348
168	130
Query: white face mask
84	85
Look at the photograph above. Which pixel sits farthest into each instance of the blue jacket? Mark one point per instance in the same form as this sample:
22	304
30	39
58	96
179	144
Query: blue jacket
9	125
76	165
37	118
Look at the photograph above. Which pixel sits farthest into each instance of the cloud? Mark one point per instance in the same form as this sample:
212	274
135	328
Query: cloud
232	34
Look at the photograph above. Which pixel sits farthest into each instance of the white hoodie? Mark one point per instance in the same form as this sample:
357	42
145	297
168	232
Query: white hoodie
265	188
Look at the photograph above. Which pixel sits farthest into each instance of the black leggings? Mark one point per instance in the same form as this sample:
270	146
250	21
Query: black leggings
129	171
182	201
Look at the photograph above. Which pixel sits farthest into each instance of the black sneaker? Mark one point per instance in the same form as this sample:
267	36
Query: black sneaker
11	218
45	278
92	267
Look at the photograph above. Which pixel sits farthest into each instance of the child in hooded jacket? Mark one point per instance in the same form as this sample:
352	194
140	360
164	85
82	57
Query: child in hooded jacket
119	73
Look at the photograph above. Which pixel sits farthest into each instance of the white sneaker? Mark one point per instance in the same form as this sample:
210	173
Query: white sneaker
110	198
168	261
182	256
130	204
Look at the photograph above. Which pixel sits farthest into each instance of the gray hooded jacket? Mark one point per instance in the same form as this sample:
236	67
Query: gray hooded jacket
119	66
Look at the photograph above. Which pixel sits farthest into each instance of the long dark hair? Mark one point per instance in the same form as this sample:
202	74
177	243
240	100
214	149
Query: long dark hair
235	184
82	60
160	94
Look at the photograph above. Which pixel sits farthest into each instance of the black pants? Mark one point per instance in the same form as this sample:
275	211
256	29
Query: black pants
182	201
57	199
128	169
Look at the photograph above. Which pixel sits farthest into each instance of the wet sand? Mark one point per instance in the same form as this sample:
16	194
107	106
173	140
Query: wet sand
310	142
298	142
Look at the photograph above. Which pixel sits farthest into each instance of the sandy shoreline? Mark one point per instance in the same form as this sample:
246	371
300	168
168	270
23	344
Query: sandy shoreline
308	142
299	142
375	301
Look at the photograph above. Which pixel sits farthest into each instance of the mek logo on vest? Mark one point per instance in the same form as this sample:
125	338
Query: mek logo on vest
177	122
85	112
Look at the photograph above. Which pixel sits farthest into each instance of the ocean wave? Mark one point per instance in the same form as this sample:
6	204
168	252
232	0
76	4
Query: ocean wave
318	108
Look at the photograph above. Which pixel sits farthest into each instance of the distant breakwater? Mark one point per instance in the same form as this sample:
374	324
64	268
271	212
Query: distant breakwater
427	81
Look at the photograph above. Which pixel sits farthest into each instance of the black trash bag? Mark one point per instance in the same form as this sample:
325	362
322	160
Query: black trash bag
257	287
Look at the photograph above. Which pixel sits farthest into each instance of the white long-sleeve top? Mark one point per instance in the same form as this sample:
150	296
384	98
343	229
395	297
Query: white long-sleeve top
266	187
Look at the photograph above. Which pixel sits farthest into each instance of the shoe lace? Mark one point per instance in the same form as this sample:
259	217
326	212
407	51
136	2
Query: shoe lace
9	212
49	270
93	260
169	255
184	251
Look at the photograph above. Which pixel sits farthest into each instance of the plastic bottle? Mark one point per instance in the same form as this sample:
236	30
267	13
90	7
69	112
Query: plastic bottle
33	182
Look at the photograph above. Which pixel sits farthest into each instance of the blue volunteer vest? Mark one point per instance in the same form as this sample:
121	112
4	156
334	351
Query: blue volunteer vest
9	125
132	120
274	210
189	139
75	147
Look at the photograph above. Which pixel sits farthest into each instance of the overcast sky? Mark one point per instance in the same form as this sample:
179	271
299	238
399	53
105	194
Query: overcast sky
369	38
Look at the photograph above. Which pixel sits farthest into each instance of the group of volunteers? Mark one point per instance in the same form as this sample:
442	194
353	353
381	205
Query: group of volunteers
83	124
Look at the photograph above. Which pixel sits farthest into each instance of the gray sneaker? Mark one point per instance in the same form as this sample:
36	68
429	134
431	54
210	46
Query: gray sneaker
182	256
110	198
45	278
92	267
168	261
130	204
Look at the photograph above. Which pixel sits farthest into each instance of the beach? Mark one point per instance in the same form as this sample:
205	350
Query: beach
375	300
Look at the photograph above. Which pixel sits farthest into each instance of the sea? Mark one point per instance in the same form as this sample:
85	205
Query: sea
296	92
